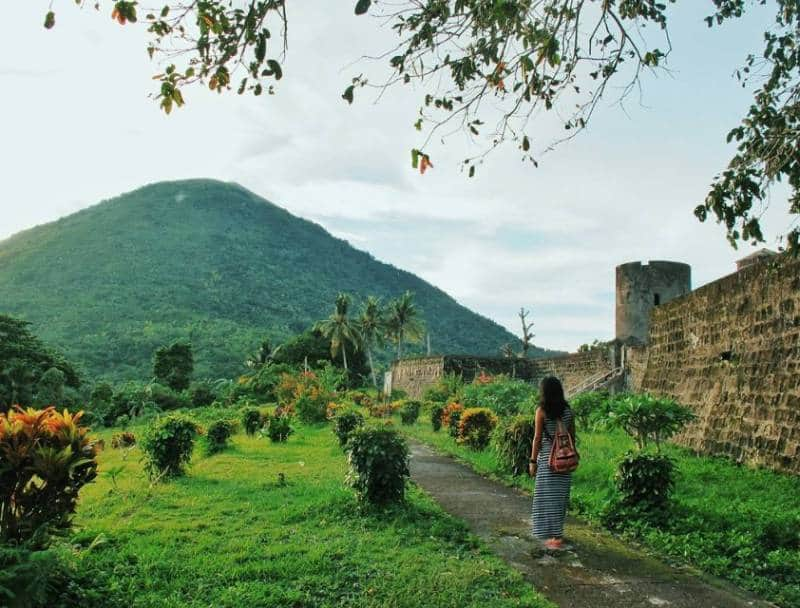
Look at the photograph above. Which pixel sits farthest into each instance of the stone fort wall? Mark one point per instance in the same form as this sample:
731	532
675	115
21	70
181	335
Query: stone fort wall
731	351
415	375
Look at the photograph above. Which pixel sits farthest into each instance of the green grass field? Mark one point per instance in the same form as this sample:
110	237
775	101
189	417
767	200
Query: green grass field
731	521
231	533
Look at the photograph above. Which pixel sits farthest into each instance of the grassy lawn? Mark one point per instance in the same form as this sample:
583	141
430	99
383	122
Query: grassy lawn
737	523
232	534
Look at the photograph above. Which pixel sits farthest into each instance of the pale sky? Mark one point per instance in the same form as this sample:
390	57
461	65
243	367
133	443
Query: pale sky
76	126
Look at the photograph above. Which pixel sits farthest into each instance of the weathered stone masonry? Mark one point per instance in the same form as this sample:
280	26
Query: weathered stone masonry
731	351
415	375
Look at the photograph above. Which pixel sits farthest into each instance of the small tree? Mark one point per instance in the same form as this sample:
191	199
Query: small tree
403	322
340	329
645	480
173	365
168	446
50	388
378	458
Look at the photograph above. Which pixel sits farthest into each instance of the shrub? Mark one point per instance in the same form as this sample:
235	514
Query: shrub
50	388
166	398
168	444
513	439
592	410
378	458
306	394
451	417
384	410
202	395
436	416
345	423
448	388
409	412
252	420
333	409
46	457
125	439
645	480
263	382
217	436
279	428
476	426
650	419
503	395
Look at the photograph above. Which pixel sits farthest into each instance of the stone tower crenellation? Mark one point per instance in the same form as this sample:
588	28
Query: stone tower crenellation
642	287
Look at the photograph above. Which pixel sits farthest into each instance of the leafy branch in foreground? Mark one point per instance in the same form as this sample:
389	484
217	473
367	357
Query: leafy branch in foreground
489	68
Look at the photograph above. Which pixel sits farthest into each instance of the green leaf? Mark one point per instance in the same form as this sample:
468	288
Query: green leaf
276	68
472	171
414	158
362	6
348	94
50	20
526	144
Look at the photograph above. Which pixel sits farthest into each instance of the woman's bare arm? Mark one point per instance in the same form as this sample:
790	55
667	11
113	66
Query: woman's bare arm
537	440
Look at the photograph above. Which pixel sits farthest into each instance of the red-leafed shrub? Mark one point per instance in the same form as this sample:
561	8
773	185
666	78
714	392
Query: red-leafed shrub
46	457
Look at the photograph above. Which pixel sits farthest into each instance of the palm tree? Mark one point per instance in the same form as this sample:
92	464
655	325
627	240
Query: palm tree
340	329
265	354
372	326
403	321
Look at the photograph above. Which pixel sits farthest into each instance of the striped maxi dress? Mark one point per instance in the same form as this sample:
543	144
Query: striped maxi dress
551	492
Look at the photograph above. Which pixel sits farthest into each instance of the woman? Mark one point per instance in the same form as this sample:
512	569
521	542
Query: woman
551	492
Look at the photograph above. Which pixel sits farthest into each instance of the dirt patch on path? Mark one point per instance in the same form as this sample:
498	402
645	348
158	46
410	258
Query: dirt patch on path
595	571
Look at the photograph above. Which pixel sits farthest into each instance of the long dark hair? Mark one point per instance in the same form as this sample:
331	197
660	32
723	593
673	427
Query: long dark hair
551	397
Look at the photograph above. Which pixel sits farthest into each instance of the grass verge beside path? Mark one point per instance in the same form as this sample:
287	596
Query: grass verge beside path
232	533
734	522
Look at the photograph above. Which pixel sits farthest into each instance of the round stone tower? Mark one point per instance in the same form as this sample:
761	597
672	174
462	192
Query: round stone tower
642	287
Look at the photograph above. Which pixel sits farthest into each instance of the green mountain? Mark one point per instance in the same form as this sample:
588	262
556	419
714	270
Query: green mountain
205	261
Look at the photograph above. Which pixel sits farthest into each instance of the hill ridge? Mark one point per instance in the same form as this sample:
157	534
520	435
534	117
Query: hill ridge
204	260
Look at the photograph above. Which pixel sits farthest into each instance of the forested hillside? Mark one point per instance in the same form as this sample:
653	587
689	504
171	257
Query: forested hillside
205	261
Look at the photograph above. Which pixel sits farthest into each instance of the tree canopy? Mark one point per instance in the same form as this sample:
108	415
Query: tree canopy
522	55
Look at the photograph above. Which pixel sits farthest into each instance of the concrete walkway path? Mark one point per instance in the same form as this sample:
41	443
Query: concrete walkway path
595	571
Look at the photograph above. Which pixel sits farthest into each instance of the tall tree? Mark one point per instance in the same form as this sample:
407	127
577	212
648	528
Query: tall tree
173	365
403	321
527	334
521	55
340	329
372	326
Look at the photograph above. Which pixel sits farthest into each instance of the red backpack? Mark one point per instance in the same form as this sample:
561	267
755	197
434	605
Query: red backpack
564	458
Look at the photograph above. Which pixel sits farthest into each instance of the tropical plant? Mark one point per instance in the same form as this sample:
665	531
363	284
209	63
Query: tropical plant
645	480
345	423
403	322
217	436
340	329
167	446
436	416
409	411
451	417
125	439
447	389
648	419
173	365
303	393
527	334
592	410
503	395
475	427
279	427
372	327
512	441
263	356
46	457
378	459
252	420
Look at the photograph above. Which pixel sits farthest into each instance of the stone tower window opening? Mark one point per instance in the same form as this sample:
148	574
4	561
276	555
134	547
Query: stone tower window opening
657	299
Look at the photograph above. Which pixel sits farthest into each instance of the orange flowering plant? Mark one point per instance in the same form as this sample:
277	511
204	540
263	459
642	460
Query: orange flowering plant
46	457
